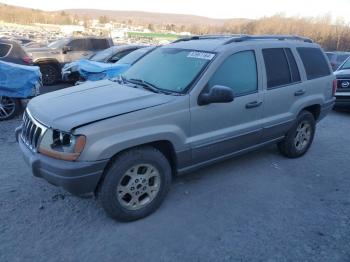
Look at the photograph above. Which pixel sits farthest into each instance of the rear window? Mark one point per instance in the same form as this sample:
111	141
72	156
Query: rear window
277	67
315	63
4	49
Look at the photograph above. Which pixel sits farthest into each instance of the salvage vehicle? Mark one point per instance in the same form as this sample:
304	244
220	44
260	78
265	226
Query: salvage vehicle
97	63
185	105
11	51
17	84
343	86
50	59
94	71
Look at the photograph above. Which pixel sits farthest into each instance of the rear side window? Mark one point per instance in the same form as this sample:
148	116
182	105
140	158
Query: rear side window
4	49
238	72
314	62
277	67
120	55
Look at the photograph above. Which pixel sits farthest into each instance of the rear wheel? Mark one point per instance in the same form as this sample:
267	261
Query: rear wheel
299	138
136	184
50	74
9	107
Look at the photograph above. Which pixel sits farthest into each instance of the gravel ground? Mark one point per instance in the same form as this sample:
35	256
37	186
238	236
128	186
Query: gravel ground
258	207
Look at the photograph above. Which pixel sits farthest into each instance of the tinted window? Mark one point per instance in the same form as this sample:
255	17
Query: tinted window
237	72
77	45
277	68
293	66
4	49
99	44
314	62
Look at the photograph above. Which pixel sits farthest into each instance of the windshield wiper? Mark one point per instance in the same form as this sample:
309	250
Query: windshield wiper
144	84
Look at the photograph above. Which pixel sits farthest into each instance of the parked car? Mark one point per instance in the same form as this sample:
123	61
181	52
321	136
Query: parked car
17	83
98	61
11	51
183	106
343	85
337	58
51	58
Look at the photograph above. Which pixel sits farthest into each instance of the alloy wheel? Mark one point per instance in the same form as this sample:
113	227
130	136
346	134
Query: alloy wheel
303	135
7	107
138	187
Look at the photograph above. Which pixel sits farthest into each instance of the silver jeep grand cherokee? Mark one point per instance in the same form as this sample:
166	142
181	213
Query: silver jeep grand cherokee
184	106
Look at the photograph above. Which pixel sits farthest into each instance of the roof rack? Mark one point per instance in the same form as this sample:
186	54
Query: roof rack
268	37
201	37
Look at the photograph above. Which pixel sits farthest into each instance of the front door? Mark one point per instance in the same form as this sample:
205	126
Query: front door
219	130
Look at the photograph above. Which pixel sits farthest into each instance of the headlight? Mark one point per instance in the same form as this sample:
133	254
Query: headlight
62	145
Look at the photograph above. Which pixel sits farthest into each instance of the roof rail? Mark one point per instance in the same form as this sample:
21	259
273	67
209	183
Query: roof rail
201	37
267	37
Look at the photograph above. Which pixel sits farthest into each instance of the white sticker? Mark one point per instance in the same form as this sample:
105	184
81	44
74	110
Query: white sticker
201	55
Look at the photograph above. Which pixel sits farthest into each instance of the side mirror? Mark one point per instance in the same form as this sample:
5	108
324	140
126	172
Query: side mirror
66	49
216	94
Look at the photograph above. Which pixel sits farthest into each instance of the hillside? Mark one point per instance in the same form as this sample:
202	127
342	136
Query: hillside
138	17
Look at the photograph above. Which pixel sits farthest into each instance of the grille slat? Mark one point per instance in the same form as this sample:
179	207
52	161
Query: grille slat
31	131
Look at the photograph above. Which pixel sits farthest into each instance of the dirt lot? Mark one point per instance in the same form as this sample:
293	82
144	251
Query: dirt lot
258	207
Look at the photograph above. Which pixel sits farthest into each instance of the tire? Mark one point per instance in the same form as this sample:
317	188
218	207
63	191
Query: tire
9	108
50	74
118	191
297	143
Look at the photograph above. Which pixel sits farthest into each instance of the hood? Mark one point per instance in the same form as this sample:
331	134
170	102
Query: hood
79	105
345	73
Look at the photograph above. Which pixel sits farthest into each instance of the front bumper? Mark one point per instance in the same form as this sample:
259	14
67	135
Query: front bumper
342	99
76	177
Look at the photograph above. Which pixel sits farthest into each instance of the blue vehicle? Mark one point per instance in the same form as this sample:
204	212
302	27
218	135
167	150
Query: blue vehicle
90	70
17	83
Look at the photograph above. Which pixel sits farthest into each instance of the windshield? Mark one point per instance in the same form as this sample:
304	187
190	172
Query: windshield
346	65
170	69
58	44
134	56
102	55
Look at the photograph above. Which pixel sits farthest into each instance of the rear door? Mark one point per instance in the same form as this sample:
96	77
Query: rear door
282	88
222	129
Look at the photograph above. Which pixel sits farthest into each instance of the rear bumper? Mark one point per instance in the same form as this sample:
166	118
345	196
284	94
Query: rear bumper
326	108
75	177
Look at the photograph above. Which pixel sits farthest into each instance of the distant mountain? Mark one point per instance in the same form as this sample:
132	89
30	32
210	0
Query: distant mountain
138	17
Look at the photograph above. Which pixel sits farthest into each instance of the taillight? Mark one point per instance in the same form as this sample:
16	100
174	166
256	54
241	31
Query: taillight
335	85
27	60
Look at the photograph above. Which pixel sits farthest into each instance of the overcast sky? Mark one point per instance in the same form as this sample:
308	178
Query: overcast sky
215	9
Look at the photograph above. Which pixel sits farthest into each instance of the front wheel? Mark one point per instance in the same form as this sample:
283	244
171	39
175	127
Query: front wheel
9	107
136	184
299	138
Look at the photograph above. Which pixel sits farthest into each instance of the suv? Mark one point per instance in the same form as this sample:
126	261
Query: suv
183	106
50	59
11	51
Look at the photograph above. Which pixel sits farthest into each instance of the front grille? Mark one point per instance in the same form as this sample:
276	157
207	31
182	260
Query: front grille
343	85
31	131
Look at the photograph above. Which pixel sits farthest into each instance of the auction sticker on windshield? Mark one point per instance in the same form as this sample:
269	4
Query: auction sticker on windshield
201	55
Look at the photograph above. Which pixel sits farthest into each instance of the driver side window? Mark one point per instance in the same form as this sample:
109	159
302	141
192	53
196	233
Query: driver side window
239	72
77	45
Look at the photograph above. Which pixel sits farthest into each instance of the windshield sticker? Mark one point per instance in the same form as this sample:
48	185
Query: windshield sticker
201	55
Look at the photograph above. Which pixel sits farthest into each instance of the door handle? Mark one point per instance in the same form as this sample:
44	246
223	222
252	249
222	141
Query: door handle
253	104
299	92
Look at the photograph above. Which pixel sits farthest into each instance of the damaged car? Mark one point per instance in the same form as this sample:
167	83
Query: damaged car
18	83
